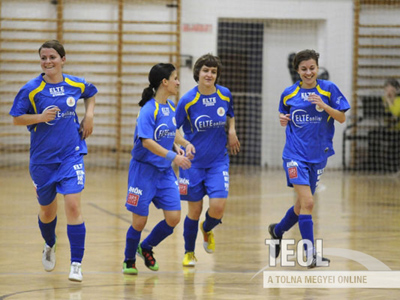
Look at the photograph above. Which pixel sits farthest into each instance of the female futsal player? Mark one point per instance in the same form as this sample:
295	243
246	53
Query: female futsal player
47	106
151	177
203	113
308	109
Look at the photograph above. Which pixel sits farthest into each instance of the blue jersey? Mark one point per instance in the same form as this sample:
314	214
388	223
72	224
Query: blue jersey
203	119
53	141
157	122
310	132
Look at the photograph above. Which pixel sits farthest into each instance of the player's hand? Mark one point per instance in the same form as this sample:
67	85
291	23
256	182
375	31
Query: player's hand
190	151
86	126
284	119
316	99
182	161
50	114
234	144
178	149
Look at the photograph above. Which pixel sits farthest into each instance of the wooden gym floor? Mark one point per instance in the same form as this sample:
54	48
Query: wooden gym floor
352	211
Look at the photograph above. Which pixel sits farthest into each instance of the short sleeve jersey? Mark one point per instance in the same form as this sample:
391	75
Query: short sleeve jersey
309	134
53	141
157	122
203	119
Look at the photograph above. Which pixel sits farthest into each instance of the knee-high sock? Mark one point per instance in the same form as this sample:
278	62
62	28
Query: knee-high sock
132	242
48	231
157	235
190	229
76	235
306	226
288	221
210	223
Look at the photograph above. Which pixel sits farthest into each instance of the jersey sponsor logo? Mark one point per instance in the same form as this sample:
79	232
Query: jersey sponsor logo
292	172
305	96
57	91
71	101
165	111
221	111
209	101
338	99
132	199
319	108
204	122
300	118
59	115
162	131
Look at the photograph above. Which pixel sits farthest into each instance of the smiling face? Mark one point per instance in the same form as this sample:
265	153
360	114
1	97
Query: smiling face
207	77
51	63
308	71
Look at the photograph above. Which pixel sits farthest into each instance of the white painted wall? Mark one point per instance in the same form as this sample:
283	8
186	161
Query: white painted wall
332	38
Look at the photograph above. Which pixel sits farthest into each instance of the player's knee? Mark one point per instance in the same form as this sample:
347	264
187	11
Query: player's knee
173	220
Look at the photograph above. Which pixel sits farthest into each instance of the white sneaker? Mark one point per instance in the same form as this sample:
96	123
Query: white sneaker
49	257
76	272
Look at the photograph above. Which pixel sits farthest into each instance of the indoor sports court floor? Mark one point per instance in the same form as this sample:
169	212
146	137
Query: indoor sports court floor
353	212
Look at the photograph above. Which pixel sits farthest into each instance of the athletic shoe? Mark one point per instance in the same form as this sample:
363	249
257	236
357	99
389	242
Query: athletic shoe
49	257
148	258
76	272
129	267
325	262
189	260
209	242
271	230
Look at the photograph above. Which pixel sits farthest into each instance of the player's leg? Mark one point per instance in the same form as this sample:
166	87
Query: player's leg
167	198
132	242
140	193
192	190
71	182
217	187
44	181
190	230
76	231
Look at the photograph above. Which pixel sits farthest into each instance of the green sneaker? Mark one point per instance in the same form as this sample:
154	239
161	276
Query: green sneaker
129	267
148	258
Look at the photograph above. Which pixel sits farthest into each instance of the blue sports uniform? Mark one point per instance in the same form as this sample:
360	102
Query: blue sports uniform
203	119
151	177
310	132
56	148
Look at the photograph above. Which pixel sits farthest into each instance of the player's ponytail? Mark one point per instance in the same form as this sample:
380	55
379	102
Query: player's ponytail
156	75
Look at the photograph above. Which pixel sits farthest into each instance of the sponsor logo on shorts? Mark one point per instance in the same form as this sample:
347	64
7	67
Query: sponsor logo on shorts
133	199
292	172
183	189
134	194
183	186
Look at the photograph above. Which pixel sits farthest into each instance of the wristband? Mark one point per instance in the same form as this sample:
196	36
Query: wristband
170	155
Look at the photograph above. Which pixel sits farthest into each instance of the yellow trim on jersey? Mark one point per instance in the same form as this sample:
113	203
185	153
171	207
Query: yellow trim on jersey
76	84
170	105
291	95
328	118
189	104
225	98
32	95
322	92
156	110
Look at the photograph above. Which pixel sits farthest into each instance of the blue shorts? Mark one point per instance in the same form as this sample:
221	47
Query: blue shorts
147	184
302	173
195	183
65	178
